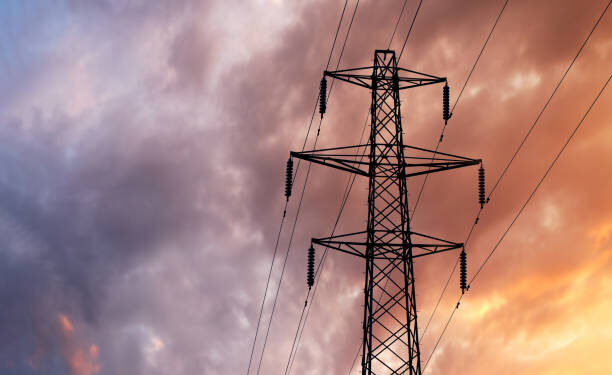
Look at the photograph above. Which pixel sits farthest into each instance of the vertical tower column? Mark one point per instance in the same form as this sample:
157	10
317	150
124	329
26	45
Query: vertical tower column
390	337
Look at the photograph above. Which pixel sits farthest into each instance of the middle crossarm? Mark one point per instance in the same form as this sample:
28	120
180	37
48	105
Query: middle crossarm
417	160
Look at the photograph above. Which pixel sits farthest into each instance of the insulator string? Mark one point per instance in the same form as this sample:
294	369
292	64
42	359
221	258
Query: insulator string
445	103
322	99
289	178
310	265
463	271
481	186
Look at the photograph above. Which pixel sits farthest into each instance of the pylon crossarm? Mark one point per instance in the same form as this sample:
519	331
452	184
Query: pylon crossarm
356	244
427	168
363	77
425	151
424	75
347	158
427	249
417	161
343	247
438	246
351	76
417	82
344	243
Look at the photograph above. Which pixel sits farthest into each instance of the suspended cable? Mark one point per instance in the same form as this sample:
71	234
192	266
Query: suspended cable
397	24
551	96
294	344
305	184
442	334
479	55
287	255
539	183
286	203
501	176
416	204
321	264
416	13
522	209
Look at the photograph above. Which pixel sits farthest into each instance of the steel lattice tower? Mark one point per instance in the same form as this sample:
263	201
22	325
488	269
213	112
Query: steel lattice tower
388	246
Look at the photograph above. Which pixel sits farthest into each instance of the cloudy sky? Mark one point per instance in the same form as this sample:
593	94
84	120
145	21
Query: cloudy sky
141	184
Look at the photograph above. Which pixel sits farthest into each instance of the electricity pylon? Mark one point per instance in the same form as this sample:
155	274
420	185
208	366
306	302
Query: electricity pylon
388	246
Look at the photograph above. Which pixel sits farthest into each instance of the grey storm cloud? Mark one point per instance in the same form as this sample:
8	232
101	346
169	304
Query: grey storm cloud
90	201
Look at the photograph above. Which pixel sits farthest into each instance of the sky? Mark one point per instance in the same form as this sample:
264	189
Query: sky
142	167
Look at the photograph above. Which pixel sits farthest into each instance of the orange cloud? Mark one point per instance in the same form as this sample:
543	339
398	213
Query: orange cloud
65	323
81	359
84	362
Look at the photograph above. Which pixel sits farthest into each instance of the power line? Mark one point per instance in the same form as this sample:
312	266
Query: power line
267	285
479	55
442	334
397	24
521	210
336	36
304	187
416	204
285	262
516	153
540	182
416	13
321	264
553	94
436	151
287	201
287	254
298	335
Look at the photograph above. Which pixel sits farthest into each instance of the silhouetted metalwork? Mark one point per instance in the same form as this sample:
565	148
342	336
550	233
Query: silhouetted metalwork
322	96
463	271
389	247
289	178
446	104
310	269
481	186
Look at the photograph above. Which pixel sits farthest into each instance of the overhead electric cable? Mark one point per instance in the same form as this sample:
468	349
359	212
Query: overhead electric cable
416	13
416	204
477	218
397	24
302	316
484	45
287	201
319	269
304	189
539	183
442	334
521	210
